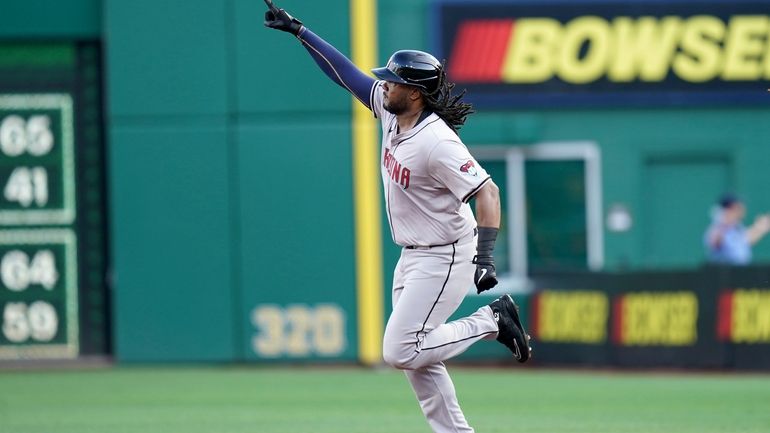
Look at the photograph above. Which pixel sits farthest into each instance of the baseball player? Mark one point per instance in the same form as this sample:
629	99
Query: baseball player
428	178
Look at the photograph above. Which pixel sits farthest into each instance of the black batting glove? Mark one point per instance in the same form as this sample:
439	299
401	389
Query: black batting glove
279	19
485	277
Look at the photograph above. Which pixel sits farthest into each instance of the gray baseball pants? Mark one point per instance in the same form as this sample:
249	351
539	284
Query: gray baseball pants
428	286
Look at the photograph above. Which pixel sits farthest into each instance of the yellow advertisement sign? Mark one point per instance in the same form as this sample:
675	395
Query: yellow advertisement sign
676	52
647	49
750	314
571	317
657	319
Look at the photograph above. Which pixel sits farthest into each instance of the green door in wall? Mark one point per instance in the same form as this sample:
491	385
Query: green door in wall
678	195
557	234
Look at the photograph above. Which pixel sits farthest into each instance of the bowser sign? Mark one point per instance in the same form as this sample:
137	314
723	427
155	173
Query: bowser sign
577	52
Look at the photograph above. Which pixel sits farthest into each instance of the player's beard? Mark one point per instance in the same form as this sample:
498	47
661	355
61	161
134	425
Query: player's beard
396	105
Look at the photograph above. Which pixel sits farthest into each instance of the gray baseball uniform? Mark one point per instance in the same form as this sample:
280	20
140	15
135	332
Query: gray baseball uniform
428	176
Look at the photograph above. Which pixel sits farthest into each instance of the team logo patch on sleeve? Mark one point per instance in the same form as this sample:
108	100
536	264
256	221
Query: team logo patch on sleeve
469	168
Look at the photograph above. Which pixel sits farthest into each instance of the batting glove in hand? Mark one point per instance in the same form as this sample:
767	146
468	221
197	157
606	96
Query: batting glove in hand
485	277
279	19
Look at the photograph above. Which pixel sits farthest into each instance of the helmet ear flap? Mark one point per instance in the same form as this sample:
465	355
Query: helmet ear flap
440	79
433	88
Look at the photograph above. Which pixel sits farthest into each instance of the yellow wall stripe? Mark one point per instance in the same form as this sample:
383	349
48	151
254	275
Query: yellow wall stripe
366	196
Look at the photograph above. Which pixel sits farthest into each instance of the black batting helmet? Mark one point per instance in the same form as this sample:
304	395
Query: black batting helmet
416	68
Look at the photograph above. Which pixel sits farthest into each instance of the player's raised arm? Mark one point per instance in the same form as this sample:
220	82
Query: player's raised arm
334	64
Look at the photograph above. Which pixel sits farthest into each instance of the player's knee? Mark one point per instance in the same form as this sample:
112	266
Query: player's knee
391	356
395	356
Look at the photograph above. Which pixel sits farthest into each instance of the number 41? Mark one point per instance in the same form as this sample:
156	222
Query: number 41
26	185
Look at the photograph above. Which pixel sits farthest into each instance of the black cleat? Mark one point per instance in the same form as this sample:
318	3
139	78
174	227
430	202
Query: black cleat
511	333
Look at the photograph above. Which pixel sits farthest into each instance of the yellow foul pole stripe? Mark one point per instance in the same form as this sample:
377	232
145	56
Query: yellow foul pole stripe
363	33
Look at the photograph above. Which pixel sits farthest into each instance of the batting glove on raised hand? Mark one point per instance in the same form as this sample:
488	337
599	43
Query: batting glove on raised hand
485	277
279	19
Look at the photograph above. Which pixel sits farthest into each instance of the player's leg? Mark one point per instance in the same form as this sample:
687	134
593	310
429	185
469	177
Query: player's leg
431	384
448	340
434	284
436	393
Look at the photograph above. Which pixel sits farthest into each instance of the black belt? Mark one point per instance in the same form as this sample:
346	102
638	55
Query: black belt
427	247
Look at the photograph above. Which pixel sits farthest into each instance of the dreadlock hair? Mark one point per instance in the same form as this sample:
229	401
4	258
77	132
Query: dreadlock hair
448	107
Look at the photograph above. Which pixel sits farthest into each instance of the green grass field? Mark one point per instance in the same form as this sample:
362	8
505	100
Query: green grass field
351	400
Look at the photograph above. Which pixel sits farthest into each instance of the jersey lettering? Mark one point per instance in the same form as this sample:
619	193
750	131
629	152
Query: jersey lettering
398	173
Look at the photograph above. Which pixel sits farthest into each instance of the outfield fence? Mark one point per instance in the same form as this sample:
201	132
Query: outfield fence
714	317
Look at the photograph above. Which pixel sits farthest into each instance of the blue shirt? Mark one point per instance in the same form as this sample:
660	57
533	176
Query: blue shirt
734	249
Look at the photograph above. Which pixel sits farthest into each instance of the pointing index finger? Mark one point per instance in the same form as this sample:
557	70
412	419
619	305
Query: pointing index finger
270	5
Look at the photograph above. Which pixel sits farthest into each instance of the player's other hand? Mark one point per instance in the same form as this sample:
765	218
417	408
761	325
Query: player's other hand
279	19
763	222
485	277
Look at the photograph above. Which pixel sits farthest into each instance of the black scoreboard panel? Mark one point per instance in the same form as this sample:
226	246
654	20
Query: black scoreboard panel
53	245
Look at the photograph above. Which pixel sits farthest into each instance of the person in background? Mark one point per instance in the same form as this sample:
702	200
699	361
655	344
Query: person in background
727	240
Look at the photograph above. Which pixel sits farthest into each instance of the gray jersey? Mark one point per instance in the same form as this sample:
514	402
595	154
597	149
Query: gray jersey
428	177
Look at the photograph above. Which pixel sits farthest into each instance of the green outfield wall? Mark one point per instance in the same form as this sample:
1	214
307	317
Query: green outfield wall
232	162
230	178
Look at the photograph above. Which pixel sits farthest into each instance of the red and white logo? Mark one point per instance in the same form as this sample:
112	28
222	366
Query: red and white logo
469	168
